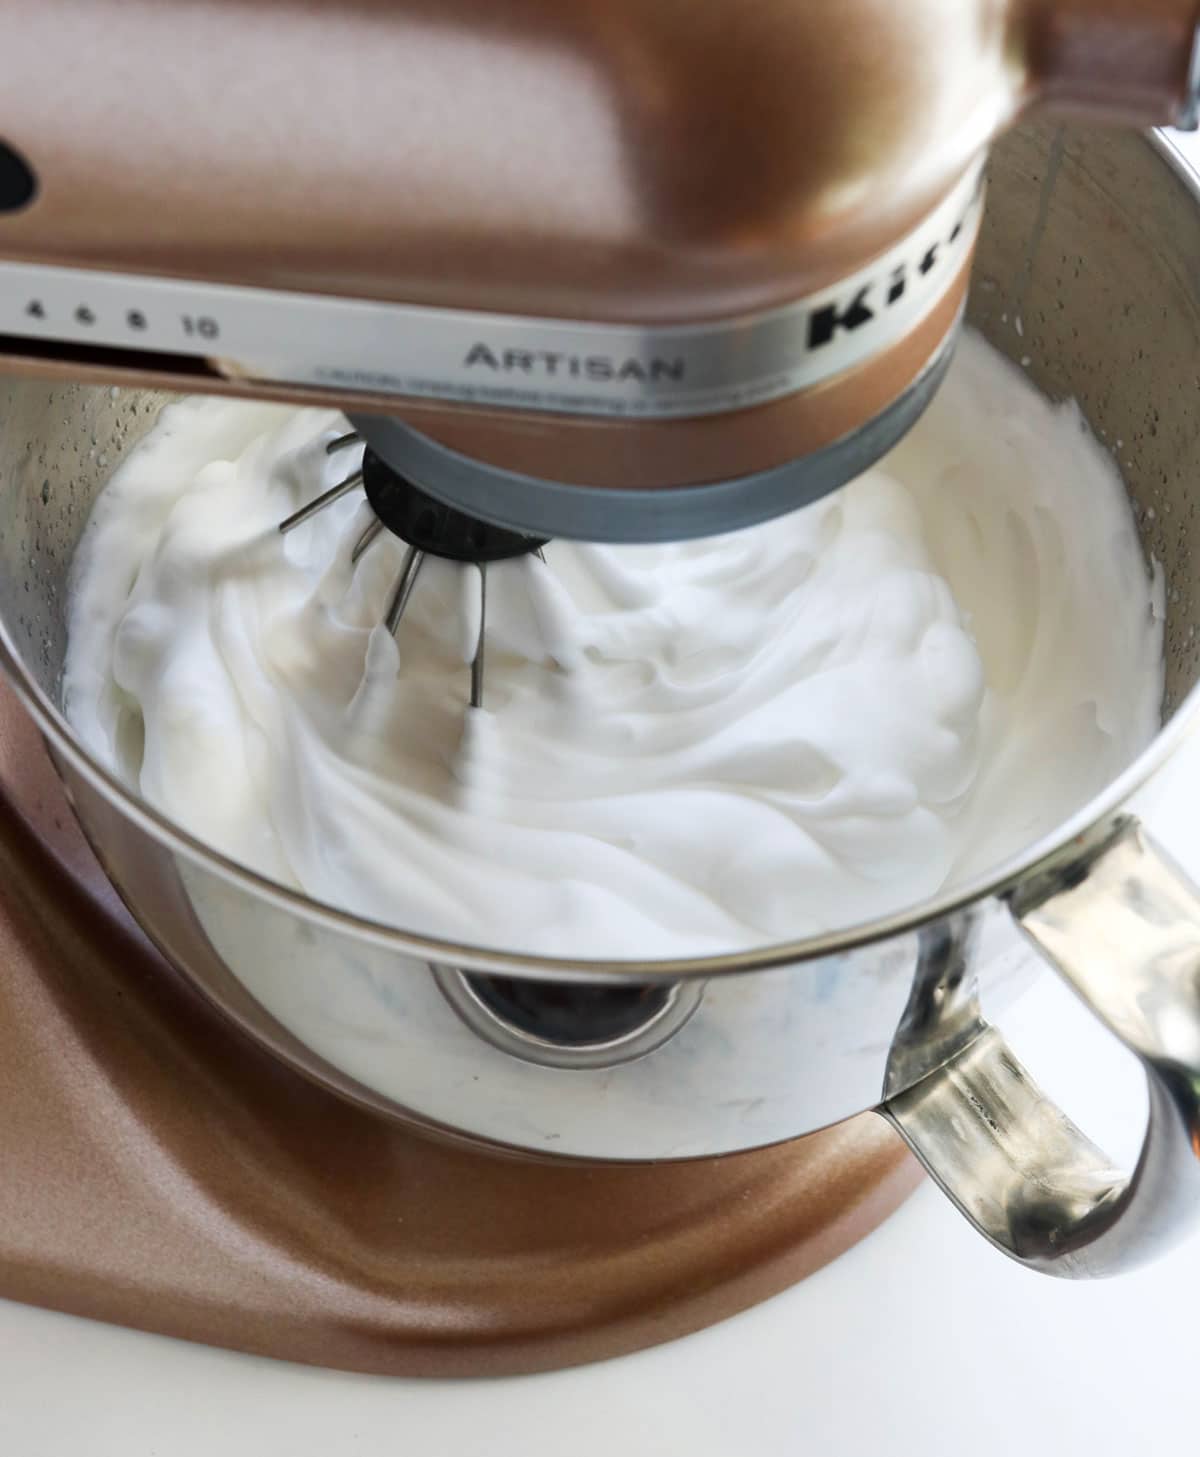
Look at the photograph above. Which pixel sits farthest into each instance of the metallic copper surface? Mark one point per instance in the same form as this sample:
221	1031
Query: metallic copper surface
631	160
615	160
625	454
162	1172
1120	59
607	159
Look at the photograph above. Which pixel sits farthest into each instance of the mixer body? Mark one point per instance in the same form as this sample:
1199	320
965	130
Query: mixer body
616	270
622	270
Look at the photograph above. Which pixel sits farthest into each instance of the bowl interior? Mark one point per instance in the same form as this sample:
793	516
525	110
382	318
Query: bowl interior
1085	276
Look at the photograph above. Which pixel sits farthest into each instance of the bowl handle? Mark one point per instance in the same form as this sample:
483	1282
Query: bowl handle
1121	923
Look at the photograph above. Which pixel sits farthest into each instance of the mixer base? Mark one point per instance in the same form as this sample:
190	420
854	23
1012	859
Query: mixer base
161	1172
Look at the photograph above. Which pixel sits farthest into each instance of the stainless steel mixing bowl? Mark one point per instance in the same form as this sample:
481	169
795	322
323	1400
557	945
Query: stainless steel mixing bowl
1092	241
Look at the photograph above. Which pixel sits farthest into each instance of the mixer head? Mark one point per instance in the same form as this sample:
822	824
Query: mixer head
621	269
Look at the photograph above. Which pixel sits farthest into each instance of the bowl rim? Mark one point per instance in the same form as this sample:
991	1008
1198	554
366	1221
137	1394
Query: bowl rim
993	884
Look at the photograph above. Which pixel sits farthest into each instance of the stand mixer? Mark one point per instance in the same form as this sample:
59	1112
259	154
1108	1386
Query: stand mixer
621	272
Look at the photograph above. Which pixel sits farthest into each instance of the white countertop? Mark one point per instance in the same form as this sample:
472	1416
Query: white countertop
921	1340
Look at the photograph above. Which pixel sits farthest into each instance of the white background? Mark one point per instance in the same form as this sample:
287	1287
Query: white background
920	1340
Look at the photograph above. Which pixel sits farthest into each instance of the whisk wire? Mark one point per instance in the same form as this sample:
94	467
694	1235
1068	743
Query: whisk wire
370	535
335	493
477	660
414	560
342	441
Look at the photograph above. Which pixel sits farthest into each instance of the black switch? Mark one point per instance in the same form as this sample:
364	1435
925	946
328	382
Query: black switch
17	182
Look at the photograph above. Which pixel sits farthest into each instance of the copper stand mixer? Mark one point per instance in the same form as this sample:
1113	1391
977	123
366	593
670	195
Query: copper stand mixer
620	271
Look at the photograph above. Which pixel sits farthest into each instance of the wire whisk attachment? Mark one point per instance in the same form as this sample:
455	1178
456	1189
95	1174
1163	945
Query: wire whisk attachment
428	527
